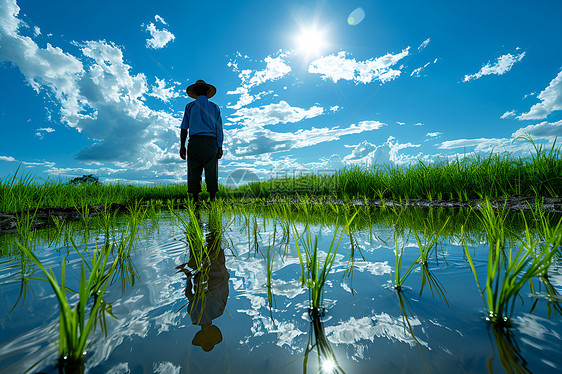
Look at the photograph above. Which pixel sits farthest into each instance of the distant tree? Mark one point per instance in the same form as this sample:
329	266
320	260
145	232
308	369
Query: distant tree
85	179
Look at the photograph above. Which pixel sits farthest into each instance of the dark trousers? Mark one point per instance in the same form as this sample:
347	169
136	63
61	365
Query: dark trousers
202	154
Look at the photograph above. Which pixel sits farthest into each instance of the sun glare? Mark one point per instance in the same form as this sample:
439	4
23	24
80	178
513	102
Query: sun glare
311	41
328	366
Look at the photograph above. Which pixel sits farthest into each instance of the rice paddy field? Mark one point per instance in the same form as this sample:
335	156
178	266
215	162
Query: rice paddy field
140	280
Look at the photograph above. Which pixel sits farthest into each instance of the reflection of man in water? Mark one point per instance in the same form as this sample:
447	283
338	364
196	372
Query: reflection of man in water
206	290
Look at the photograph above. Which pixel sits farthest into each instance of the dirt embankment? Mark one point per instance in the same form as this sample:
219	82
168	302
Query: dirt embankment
548	204
45	216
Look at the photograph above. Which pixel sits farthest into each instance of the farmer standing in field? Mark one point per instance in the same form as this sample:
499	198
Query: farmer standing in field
202	119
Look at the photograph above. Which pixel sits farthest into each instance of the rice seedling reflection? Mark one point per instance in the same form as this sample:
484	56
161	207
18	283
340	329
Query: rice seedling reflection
327	360
509	353
430	238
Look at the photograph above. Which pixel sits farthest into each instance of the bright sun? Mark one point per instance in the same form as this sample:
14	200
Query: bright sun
311	41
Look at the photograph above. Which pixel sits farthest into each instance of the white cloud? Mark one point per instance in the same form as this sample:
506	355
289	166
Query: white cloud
477	142
48	67
366	153
418	124
540	133
7	158
273	114
276	68
370	328
165	368
433	134
9	23
157	18
36	31
46	129
159	37
501	66
543	130
424	44
42	130
508	114
253	140
551	100
416	72
160	91
336	67
100	97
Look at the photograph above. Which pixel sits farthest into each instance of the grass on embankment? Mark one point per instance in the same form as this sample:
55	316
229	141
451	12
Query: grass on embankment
492	176
477	177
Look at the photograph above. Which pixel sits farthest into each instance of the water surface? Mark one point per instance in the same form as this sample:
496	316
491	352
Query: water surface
367	326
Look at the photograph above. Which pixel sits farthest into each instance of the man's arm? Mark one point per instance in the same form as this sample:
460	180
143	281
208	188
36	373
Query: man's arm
183	137
183	133
220	135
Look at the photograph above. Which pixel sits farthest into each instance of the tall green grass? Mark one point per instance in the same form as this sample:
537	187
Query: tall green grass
492	175
22	192
479	176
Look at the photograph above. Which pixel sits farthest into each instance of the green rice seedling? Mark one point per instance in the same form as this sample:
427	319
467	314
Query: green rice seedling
548	231
494	224
284	221
354	246
399	277
25	223
315	276
256	236
327	360
107	223
195	237
430	238
74	324
84	211
508	273
270	257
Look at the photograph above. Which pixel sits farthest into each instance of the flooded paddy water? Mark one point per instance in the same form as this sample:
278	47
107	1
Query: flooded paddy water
221	291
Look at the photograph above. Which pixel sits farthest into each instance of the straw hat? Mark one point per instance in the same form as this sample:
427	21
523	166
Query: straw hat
191	89
207	338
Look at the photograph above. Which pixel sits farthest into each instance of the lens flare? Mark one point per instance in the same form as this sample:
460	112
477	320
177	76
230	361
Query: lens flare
356	17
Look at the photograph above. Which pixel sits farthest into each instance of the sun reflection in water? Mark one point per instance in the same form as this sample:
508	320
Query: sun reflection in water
328	366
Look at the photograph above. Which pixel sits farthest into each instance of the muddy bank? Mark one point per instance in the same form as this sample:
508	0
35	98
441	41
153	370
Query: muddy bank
45	217
548	204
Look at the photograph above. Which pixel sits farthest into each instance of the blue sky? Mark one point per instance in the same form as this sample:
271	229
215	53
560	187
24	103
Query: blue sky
303	86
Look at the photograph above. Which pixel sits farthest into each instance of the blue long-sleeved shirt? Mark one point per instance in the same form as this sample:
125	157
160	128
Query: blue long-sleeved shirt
203	117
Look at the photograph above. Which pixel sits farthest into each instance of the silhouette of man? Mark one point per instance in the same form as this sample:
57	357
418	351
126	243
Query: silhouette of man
202	120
